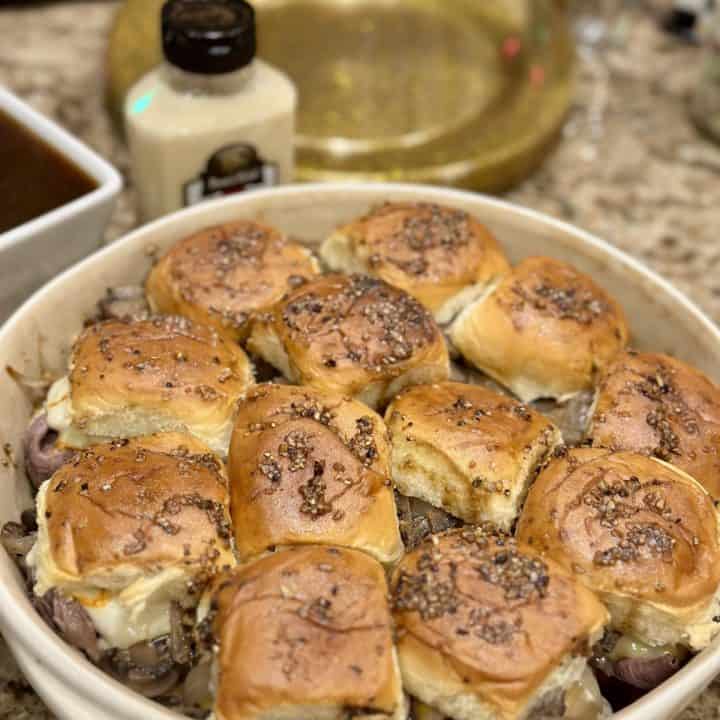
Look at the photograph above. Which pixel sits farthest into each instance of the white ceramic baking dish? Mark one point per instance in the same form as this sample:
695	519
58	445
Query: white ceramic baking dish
37	338
39	249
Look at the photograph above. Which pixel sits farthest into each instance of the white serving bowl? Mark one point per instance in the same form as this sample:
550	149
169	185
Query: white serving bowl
34	252
38	336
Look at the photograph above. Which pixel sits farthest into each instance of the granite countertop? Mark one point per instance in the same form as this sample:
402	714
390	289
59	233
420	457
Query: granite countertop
630	167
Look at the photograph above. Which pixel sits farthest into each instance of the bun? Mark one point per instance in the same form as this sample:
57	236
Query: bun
223	275
544	332
642	534
312	629
486	629
353	335
311	467
130	378
656	405
466	449
442	256
125	527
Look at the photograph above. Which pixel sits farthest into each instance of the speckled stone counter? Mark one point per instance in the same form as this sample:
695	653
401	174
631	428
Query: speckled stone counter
630	167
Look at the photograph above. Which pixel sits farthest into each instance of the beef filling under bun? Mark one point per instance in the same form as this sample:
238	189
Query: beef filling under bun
467	450
442	256
306	634
223	275
127	528
353	335
308	466
639	532
656	405
131	378
487	630
545	332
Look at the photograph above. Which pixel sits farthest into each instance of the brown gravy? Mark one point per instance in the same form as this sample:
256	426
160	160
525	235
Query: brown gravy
34	177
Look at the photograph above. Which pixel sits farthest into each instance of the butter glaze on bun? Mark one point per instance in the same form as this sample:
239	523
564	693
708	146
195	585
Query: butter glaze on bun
126	527
545	332
354	335
308	466
442	256
223	275
306	634
487	630
656	405
466	449
639	532
131	378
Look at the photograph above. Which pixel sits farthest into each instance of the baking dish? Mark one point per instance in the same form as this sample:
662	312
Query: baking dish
37	338
34	252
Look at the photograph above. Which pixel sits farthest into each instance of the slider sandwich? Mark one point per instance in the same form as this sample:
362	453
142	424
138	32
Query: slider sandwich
644	536
467	450
129	378
353	335
442	256
308	466
544	332
128	535
656	405
488	630
222	276
303	634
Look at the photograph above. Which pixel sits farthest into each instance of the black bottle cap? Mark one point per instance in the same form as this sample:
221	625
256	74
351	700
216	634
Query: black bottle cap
208	37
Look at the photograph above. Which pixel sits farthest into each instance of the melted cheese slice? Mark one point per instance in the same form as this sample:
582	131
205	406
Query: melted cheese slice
127	604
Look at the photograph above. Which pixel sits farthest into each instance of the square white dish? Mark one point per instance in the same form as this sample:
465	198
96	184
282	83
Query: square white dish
37	250
38	336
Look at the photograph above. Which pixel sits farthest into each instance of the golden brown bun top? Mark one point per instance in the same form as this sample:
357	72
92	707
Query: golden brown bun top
469	421
152	502
656	405
501	617
167	362
431	251
545	331
306	465
552	302
222	275
305	626
343	331
628	524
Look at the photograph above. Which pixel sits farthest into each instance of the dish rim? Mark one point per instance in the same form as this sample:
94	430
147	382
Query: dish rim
23	627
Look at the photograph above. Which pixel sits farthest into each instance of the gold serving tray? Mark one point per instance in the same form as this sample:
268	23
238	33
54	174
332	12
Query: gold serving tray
455	92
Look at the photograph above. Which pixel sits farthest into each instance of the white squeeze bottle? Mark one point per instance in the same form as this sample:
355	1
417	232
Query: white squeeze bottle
212	119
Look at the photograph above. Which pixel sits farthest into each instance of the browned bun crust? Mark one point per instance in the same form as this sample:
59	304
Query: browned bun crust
628	525
483	622
311	467
169	370
656	405
352	335
430	251
151	502
305	629
545	332
223	275
467	449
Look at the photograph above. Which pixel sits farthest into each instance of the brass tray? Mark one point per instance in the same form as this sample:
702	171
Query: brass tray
453	92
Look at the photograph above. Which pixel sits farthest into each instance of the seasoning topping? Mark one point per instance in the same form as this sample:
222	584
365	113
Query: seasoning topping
425	227
270	468
315	503
432	589
641	539
570	301
362	443
296	446
362	321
